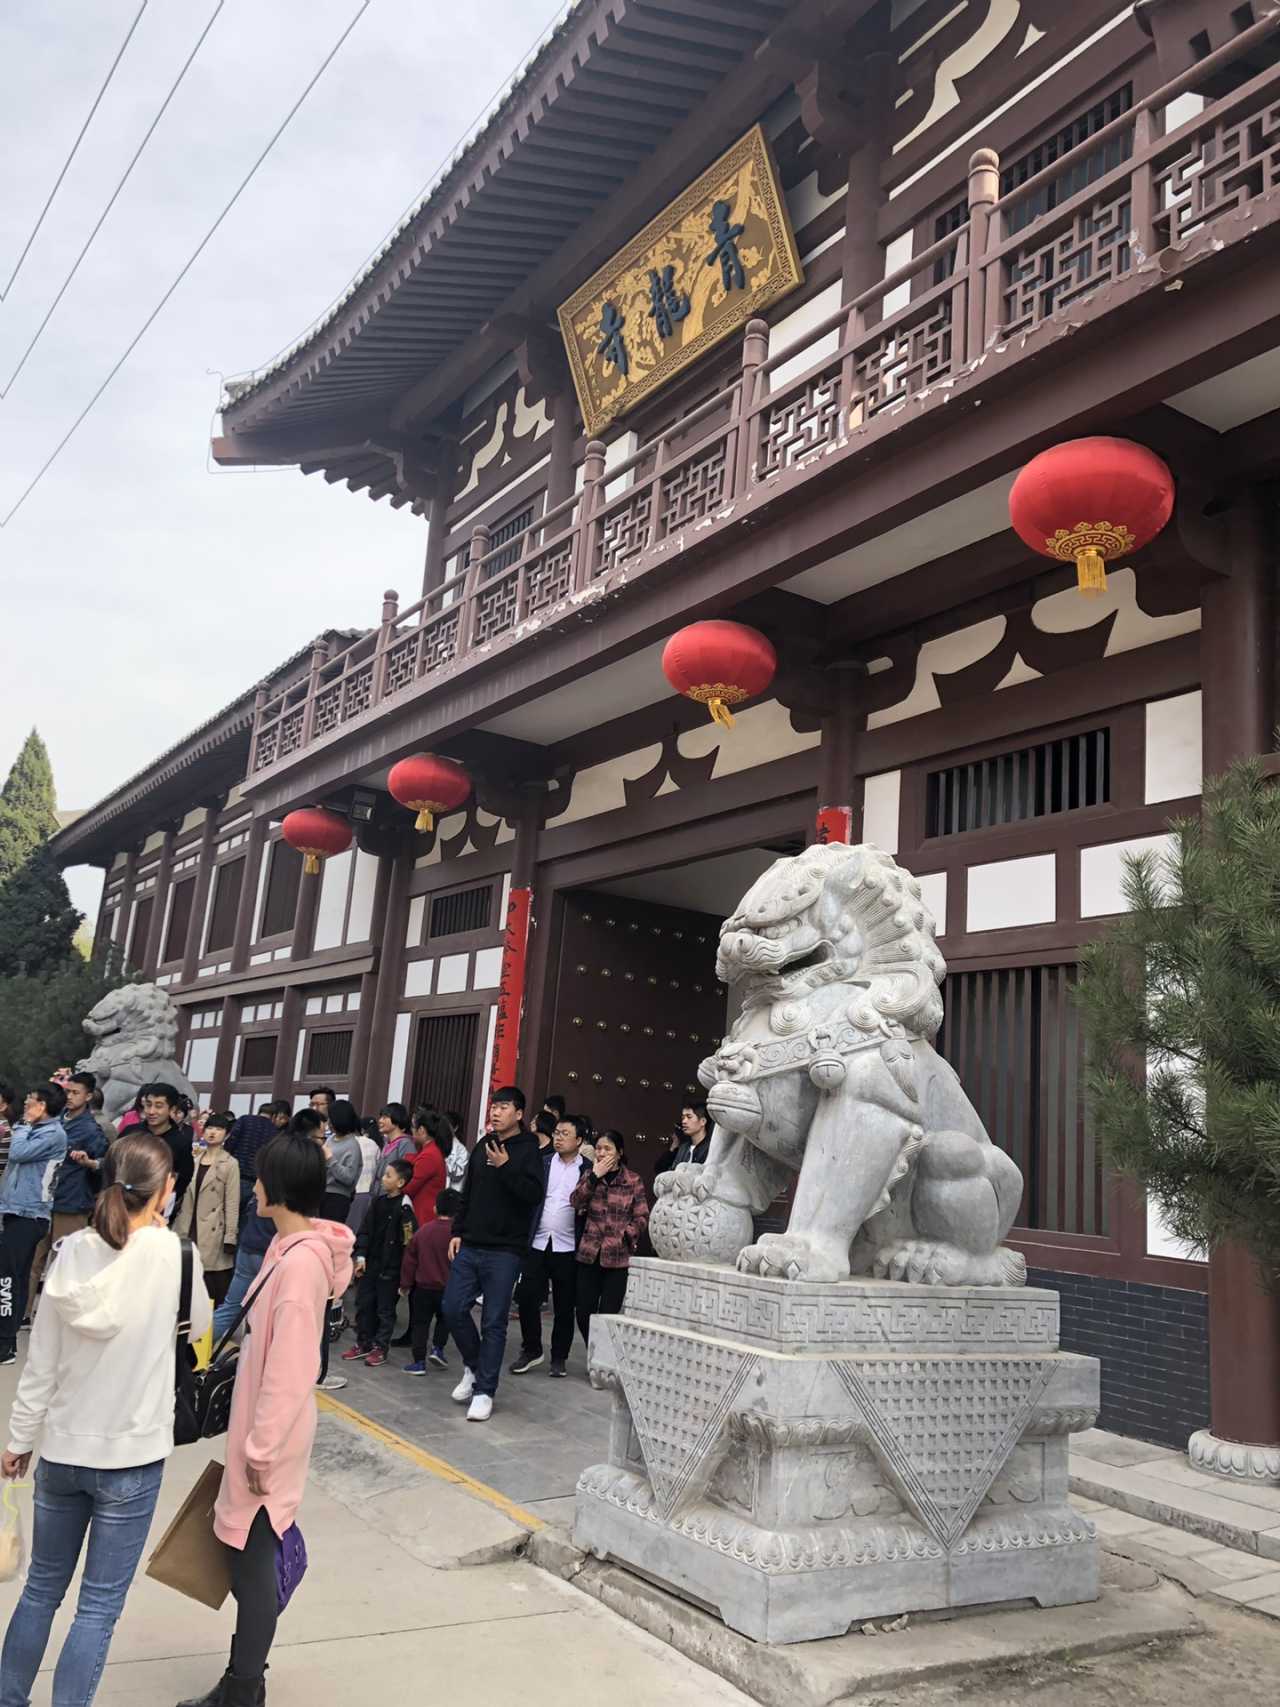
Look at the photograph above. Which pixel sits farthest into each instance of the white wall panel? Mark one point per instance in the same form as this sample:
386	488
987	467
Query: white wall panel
417	977
334	879
417	914
1102	873
453	974
399	1059
933	892
1012	892
202	1052
488	970
361	916
881	798
1174	765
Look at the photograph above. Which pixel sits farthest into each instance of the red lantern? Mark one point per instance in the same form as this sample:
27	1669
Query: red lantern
428	784
719	664
317	835
1058	492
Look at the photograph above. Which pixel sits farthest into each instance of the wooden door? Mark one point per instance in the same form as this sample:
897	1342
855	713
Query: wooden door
637	1007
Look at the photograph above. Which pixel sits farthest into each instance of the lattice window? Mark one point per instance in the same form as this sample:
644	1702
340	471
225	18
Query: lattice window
328	709
175	940
496	608
1222	167
550	576
1066	775
1093	250
906	360
357	693
329	1054
625	529
268	747
402	664
440	645
463	910
801	425
444	1063
283	880
226	900
1014	1037
694	489
290	727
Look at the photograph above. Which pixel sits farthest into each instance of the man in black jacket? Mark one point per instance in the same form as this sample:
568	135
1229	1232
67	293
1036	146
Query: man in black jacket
504	1184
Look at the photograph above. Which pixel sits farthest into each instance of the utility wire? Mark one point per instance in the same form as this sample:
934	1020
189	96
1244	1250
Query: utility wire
35	230
88	243
186	268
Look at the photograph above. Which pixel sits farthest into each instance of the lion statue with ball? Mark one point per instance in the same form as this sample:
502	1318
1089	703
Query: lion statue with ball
135	1040
829	1079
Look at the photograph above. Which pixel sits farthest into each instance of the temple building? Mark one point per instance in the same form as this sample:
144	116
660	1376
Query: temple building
752	311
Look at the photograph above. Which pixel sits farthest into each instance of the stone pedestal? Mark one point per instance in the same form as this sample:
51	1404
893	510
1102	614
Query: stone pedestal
798	1457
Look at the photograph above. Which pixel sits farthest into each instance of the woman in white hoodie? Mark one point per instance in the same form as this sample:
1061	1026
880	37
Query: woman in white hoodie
98	1392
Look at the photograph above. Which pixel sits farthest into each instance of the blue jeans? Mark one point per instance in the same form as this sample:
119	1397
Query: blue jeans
493	1273
116	1507
242	1278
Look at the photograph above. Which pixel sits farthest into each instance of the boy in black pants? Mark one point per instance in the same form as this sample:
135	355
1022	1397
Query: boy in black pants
424	1275
384	1237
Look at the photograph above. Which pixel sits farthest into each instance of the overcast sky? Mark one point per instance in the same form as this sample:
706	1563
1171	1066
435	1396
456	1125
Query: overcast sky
143	588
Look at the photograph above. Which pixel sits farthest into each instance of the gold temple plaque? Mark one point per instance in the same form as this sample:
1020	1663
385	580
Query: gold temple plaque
720	253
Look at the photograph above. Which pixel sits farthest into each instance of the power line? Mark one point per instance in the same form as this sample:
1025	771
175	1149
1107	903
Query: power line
88	243
35	230
195	255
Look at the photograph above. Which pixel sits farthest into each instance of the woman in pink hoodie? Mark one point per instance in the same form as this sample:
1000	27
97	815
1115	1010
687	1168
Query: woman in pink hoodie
273	1414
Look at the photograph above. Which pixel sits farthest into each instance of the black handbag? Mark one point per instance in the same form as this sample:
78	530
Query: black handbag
202	1397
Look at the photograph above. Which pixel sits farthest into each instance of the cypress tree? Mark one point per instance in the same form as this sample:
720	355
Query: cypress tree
28	807
1181	1003
37	921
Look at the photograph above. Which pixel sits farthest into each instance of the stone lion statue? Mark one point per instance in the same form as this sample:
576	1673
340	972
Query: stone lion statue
135	1033
829	1078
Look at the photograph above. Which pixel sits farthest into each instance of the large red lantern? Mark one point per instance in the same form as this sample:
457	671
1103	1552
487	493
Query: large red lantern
317	835
428	784
719	664
1059	498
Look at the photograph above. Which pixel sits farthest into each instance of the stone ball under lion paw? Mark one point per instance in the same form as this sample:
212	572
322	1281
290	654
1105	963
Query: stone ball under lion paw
685	1228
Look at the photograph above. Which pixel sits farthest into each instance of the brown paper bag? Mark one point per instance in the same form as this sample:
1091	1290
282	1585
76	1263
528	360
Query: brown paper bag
189	1556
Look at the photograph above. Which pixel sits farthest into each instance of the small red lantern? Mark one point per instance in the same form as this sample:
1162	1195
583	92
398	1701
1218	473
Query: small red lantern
1086	478
317	835
719	664
428	784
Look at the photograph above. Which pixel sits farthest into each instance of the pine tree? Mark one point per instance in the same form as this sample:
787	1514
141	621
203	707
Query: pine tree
37	921
1187	985
41	1019
28	807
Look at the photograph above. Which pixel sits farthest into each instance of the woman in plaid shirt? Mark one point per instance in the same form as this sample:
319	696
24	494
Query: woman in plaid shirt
613	1212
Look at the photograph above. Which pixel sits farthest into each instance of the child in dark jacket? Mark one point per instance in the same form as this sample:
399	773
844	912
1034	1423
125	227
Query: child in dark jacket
424	1275
384	1237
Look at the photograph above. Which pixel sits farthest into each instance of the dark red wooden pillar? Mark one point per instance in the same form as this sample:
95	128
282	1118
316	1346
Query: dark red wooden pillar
837	759
1237	653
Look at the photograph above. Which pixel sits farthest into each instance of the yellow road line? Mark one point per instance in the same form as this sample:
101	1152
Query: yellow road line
430	1463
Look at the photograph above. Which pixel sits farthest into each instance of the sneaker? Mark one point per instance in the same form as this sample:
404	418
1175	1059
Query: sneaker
436	1358
353	1352
7	1357
557	1368
332	1384
526	1361
418	1368
481	1409
376	1358
463	1391
26	1325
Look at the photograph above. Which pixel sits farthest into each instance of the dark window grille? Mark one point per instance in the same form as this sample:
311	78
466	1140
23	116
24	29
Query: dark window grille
1084	168
175	938
1014	1037
507	534
444	1062
140	930
281	904
464	910
329	1052
1035	782
258	1055
226	900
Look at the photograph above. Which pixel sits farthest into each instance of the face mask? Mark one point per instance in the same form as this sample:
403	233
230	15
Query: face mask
170	1204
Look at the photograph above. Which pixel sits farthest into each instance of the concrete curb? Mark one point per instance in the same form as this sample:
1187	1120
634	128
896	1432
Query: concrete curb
823	1673
1212	1528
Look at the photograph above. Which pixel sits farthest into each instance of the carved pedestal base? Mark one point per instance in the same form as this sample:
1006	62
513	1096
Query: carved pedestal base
800	1457
1233	1460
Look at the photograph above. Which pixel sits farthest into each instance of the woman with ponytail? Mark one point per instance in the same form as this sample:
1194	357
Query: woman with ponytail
97	1393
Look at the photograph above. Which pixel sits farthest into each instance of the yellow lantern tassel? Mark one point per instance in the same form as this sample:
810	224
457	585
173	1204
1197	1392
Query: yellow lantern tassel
311	864
424	820
1091	572
720	713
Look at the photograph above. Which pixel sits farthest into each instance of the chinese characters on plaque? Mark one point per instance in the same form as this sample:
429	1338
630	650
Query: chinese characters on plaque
721	253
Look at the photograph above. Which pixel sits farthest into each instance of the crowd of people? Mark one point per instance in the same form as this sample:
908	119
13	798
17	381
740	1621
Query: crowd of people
283	1212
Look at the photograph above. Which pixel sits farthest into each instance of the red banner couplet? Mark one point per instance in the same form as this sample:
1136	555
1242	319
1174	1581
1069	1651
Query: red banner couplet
835	823
515	952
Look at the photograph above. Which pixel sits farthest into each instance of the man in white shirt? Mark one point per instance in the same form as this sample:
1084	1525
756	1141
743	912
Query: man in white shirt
552	1252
